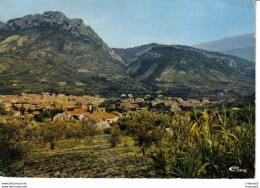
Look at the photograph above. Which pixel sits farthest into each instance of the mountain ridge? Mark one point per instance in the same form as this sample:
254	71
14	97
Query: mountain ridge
190	72
236	39
245	53
232	45
50	52
130	54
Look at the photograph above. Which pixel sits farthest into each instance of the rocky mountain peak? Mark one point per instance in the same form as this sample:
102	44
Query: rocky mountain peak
49	18
54	17
76	26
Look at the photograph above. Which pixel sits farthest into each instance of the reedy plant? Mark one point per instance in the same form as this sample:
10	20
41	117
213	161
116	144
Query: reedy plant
205	145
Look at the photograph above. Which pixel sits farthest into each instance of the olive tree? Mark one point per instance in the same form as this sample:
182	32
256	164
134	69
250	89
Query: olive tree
146	127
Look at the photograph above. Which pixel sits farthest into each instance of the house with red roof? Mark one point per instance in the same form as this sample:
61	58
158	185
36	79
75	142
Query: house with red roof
104	119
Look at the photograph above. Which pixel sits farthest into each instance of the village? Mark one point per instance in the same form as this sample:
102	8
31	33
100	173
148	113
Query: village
29	106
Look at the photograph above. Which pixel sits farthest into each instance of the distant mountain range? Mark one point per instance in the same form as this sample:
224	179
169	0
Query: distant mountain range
50	52
242	46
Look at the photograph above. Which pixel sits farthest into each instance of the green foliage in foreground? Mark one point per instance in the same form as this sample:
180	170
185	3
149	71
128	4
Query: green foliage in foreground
203	144
14	142
196	144
147	128
19	137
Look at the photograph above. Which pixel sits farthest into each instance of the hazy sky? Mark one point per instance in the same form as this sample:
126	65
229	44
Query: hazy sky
128	23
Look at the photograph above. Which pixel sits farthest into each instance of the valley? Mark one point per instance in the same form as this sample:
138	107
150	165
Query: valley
73	107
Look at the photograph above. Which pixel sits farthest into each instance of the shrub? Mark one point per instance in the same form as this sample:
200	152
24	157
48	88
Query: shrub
159	161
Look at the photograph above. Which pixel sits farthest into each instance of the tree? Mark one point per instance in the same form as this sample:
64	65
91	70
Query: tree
89	129
146	127
14	141
52	131
115	136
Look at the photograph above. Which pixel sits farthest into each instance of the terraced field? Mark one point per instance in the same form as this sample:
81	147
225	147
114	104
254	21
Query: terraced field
98	160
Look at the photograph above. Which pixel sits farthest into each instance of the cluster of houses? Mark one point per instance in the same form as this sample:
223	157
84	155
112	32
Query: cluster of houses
79	107
45	101
175	103
85	107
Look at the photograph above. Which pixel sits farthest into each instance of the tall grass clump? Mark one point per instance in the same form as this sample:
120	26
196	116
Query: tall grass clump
197	144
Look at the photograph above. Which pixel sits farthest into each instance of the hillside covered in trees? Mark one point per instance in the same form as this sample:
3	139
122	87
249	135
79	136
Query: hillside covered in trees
52	53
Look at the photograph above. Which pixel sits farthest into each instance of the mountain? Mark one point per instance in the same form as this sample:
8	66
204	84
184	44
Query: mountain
247	53
129	55
189	72
2	24
50	52
58	19
242	46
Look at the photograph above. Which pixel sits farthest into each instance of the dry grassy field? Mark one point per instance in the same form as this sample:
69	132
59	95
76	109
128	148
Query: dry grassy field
79	160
